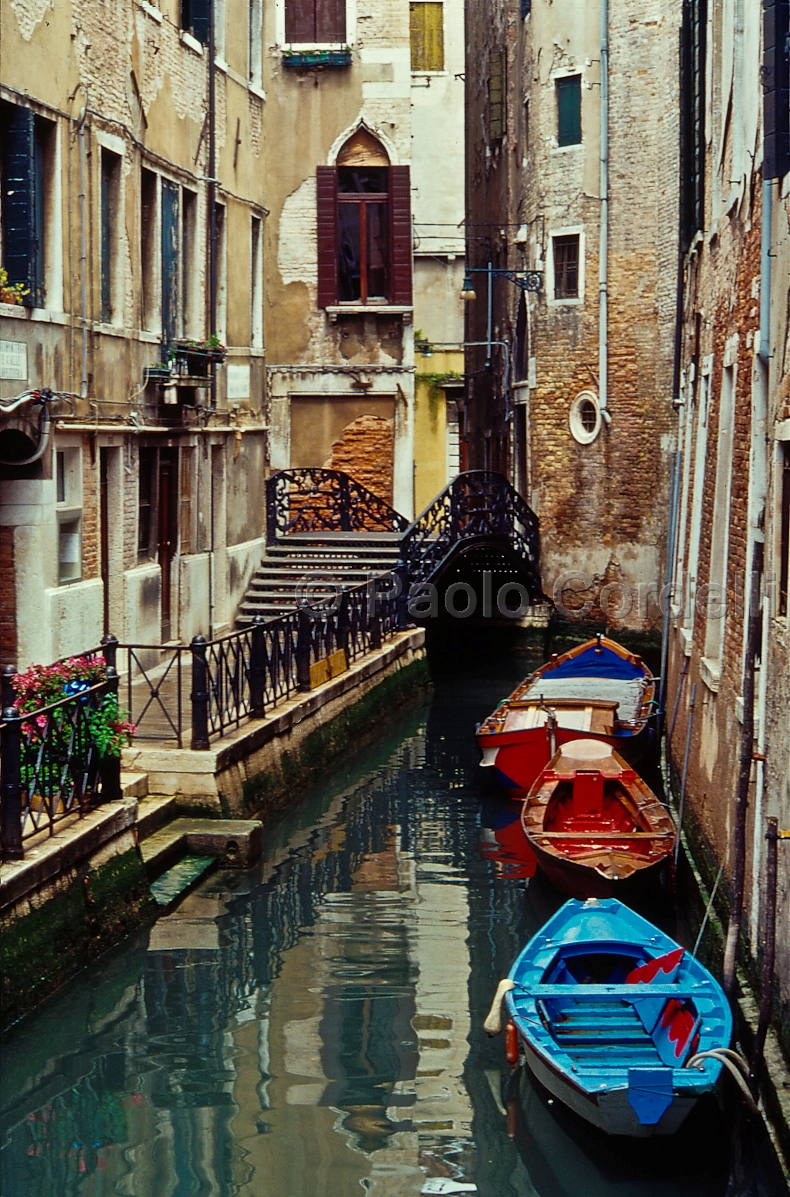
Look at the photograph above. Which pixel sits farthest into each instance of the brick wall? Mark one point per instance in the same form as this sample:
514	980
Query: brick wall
366	452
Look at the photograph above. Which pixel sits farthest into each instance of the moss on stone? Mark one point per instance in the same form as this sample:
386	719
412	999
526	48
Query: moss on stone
355	725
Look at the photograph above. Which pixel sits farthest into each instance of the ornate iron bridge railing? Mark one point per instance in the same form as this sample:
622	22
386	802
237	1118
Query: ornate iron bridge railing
321	500
476	506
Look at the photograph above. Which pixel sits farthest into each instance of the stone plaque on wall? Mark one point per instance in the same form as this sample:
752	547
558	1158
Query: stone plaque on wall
13	360
238	381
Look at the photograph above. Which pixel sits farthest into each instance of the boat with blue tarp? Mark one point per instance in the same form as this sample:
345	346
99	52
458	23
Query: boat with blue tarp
597	690
617	1020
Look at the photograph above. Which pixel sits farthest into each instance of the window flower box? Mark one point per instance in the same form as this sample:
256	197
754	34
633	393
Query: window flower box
194	357
317	58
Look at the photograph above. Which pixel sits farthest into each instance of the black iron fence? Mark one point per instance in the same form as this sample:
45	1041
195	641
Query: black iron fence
53	761
51	764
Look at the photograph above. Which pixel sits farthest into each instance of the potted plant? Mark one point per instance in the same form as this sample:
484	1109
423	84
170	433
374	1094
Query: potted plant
13	293
193	357
105	727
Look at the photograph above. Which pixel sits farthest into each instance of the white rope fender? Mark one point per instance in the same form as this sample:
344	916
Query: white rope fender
492	1024
736	1066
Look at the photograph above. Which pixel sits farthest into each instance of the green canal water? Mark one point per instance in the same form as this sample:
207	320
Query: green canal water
312	1027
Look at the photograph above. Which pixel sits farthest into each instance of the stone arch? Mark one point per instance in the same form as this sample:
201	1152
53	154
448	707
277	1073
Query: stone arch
370	135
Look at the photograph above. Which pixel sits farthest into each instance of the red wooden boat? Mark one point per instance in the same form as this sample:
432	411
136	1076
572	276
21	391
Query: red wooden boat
593	824
598	690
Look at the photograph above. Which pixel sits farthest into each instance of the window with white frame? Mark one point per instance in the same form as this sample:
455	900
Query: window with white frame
255	49
784	528
30	205
565	283
110	226
222	273
68	510
716	604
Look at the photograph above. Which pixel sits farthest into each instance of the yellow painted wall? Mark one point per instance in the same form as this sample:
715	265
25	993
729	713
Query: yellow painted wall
430	425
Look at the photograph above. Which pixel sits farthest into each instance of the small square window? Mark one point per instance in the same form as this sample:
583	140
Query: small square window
566	266
569	110
69	550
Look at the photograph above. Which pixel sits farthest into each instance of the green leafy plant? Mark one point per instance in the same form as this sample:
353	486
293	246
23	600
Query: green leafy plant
41	685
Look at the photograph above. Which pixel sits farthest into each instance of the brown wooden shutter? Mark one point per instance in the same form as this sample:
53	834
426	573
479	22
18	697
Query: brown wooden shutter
326	205
400	224
330	20
300	21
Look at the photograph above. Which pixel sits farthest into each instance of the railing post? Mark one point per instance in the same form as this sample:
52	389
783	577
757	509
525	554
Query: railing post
257	669
401	572
343	621
7	681
11	783
109	644
374	620
303	647
271	509
110	766
199	695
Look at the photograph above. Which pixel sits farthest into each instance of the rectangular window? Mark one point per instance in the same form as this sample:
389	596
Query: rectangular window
776	88
146	503
191	322
426	26
170	262
219	30
256	281
111	294
569	110
195	17
315	21
364	235
150	247
255	50
784	525
30	216
566	266
716	605
68	511
496	96
222	274
692	119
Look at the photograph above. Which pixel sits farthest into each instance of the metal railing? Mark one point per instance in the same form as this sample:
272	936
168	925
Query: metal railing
52	763
322	500
477	505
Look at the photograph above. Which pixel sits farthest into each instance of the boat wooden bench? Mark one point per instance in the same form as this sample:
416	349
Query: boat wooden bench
601	835
587	992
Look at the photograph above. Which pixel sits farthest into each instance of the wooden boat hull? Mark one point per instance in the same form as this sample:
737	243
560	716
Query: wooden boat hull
516	751
593	825
593	995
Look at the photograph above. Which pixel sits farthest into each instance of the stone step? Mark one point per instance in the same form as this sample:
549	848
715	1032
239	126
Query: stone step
181	877
134	785
153	812
235	843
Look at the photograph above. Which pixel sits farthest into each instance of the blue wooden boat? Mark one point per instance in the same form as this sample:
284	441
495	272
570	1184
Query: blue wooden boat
616	1019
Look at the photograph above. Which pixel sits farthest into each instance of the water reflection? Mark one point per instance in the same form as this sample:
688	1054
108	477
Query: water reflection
313	1027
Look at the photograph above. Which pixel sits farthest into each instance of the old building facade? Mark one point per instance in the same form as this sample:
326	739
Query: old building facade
131	501
732	514
572	177
360	99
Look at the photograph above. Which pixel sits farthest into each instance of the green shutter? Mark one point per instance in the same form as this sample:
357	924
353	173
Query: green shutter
569	110
20	244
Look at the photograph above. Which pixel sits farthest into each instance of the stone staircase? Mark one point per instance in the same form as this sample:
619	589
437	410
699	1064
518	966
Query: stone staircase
313	566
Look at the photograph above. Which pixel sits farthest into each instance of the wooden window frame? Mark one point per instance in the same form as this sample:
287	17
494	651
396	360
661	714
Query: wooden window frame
400	239
563	241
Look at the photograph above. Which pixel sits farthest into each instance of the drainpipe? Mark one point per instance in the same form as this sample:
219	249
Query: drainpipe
212	197
765	273
603	254
83	257
490	324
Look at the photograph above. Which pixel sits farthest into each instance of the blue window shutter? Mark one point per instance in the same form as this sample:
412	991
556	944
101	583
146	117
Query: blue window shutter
20	247
169	259
776	88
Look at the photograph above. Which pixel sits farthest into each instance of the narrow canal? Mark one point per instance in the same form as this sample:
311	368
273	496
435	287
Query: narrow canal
312	1028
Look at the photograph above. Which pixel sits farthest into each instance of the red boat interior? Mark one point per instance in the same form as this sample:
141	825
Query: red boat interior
591	803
